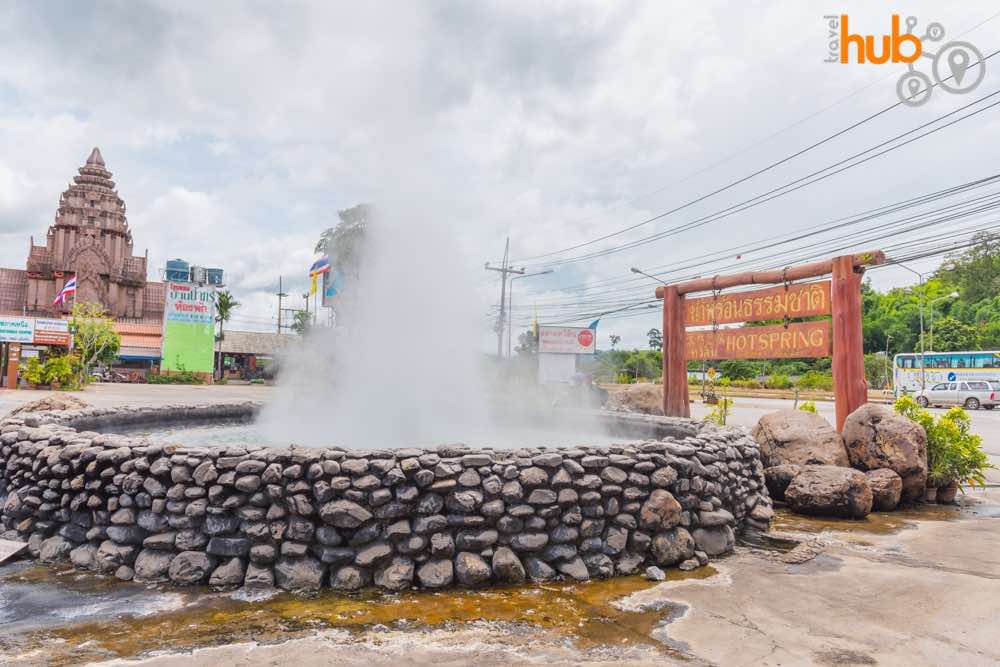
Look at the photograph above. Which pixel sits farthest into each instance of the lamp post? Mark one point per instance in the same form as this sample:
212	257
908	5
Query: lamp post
888	337
643	273
510	301
923	366
953	295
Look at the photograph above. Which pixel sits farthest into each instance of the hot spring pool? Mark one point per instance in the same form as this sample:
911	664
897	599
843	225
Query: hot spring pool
227	433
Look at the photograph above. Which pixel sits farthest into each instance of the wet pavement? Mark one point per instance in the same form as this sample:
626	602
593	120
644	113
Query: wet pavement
851	592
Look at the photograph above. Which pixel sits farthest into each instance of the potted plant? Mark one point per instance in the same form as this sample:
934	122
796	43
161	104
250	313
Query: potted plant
961	461
955	456
61	371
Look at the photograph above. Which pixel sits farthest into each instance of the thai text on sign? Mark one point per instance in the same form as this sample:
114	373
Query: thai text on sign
566	340
802	339
804	300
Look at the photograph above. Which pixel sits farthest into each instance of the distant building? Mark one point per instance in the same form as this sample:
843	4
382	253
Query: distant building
90	238
251	353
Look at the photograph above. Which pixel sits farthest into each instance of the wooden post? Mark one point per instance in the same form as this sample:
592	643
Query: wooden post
675	377
13	364
849	386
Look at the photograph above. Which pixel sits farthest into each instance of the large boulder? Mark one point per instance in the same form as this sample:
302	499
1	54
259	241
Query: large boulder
777	479
877	437
887	487
798	437
830	491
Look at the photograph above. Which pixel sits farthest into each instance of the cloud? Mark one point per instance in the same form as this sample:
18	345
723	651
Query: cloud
237	130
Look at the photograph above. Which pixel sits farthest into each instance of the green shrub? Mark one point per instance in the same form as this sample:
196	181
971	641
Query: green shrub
808	406
778	381
178	377
815	380
64	369
739	369
720	411
32	371
257	381
954	454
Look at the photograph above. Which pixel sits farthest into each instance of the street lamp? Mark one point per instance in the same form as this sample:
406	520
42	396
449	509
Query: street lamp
643	273
923	366
953	295
888	337
510	301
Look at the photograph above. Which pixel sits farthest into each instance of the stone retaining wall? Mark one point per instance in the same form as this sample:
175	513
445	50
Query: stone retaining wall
302	518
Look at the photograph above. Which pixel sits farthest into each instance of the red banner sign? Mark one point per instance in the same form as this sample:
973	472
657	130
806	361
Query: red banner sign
804	300
803	339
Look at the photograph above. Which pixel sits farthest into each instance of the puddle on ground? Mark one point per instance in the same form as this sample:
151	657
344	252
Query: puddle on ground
876	523
579	612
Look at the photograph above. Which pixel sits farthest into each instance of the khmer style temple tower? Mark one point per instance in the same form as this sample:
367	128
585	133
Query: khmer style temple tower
91	239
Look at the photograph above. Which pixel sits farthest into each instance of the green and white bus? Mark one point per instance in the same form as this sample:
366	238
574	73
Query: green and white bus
908	372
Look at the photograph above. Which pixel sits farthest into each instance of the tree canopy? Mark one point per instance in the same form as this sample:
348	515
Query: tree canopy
343	244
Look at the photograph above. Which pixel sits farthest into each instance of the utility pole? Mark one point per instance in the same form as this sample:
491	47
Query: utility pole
281	295
510	303
504	271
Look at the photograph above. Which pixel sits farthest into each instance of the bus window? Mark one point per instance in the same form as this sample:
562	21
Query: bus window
959	361
938	361
984	360
903	361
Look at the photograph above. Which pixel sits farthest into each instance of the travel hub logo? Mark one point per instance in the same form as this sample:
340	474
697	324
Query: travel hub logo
956	67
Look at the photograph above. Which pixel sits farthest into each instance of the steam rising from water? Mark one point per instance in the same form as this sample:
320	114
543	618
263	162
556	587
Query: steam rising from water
404	365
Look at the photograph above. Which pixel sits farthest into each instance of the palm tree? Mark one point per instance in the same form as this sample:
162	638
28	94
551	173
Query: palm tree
225	303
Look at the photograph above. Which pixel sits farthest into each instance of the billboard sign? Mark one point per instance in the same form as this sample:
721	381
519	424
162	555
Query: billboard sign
566	340
17	329
51	332
333	287
189	328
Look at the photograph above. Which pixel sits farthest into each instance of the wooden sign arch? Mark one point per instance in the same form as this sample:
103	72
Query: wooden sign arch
843	302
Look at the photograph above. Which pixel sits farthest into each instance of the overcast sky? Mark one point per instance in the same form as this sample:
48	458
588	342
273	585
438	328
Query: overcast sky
236	130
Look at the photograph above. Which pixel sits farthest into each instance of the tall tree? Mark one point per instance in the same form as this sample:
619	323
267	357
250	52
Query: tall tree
302	322
951	335
225	304
615	339
975	271
527	343
94	336
343	244
655	339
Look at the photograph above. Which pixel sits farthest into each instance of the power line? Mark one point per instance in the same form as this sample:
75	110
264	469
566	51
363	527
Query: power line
750	176
784	189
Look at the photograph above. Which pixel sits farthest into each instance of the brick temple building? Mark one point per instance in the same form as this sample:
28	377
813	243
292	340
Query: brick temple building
89	238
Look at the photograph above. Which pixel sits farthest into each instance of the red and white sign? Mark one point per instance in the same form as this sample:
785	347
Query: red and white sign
52	332
566	340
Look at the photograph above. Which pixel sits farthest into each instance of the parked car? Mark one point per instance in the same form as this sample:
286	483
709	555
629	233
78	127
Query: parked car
973	394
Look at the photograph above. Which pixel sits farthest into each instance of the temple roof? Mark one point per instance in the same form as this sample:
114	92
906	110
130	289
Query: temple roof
95	157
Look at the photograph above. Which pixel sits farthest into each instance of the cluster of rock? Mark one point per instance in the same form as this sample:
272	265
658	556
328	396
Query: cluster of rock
303	518
879	462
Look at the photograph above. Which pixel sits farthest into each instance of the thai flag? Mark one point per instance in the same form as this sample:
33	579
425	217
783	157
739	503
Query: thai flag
68	288
321	265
